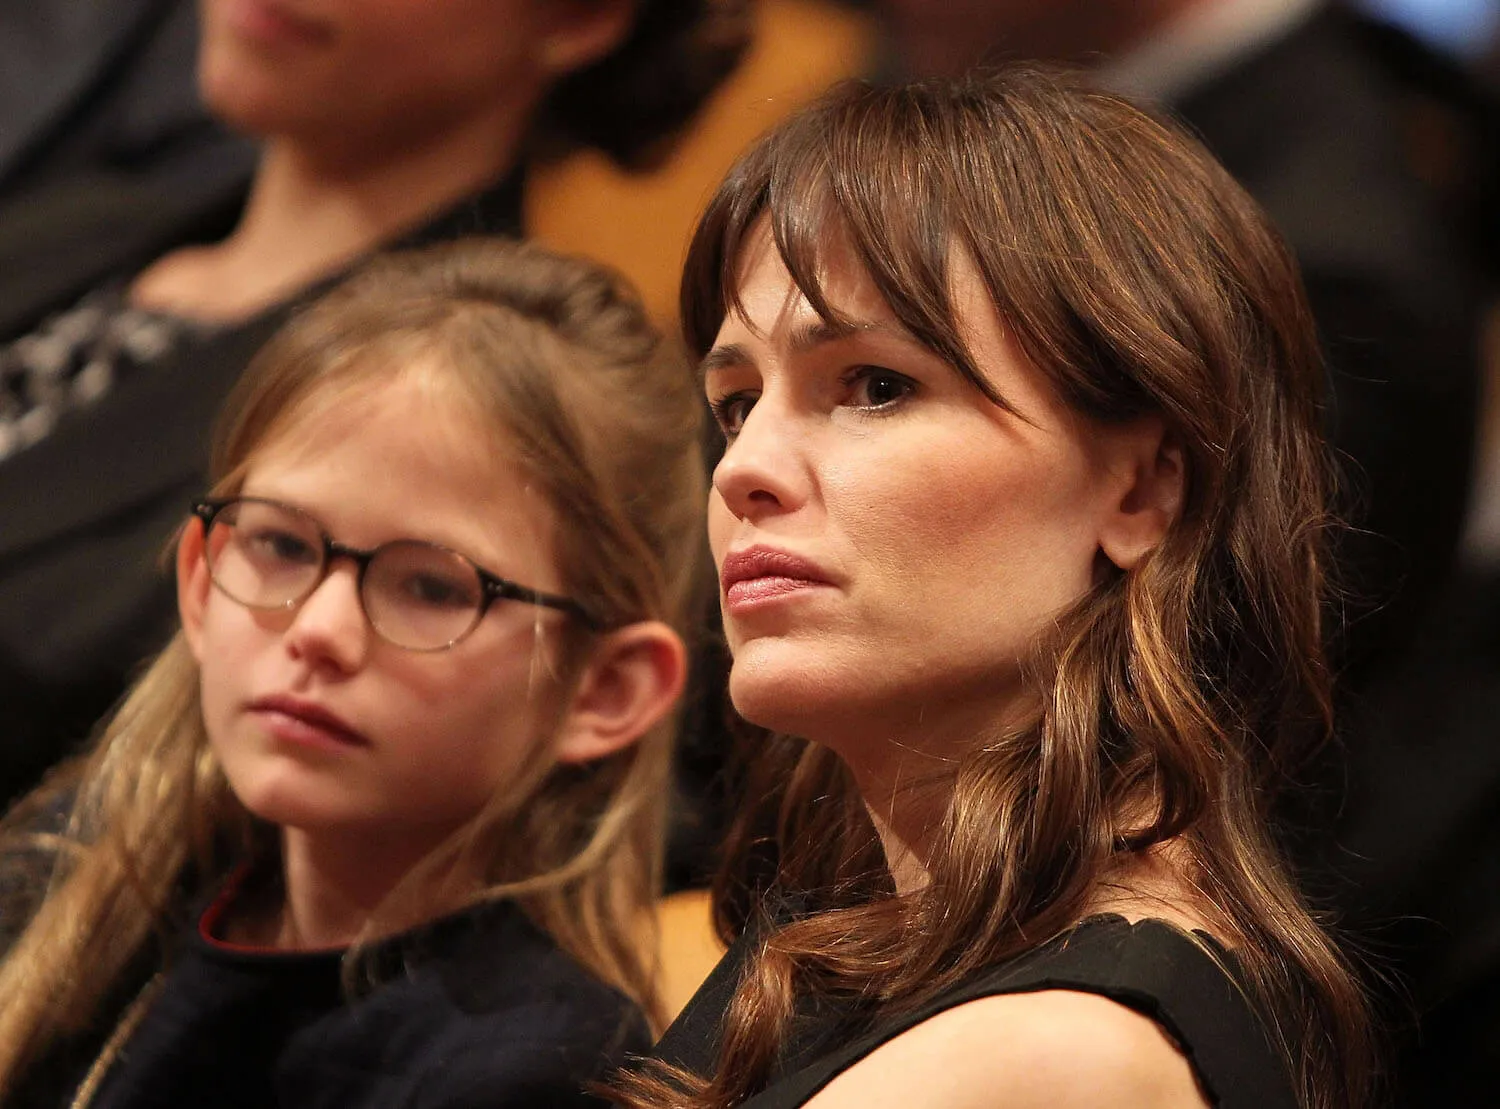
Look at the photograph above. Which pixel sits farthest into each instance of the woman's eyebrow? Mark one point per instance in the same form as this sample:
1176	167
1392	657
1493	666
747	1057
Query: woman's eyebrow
815	333
723	357
805	337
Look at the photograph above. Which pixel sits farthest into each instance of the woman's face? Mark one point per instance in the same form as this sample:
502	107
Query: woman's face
352	73
318	722
890	542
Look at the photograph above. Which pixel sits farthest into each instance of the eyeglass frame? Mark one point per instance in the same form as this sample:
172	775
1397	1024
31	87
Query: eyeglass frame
207	510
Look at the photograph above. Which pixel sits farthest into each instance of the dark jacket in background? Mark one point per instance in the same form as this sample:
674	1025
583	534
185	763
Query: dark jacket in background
101	94
1314	126
1311	126
104	89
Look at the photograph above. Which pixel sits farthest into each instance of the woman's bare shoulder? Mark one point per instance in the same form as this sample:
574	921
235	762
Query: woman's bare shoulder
1057	1049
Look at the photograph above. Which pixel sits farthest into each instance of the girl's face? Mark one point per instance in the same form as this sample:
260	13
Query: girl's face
890	542
383	73
318	722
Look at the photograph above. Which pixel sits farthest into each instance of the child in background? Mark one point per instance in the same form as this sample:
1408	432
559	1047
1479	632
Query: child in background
383	823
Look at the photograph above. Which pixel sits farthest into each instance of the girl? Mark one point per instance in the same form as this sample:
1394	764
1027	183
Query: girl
382	824
1020	534
131	314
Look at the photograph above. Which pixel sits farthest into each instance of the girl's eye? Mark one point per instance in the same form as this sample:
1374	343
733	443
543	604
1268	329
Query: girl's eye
731	410
876	387
267	545
436	591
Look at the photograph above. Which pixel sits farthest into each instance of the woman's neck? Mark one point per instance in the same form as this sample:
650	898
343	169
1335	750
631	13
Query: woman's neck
907	798
908	794
311	215
906	858
906	774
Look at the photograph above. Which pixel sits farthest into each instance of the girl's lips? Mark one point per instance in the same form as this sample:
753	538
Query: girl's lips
306	723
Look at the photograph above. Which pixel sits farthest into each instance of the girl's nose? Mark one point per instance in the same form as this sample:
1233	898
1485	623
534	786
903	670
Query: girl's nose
329	627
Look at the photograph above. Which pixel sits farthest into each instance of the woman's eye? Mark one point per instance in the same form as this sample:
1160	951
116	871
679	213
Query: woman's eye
731	410
874	387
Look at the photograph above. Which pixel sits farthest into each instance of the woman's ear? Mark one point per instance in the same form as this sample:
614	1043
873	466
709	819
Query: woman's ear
1153	473
581	32
630	683
193	583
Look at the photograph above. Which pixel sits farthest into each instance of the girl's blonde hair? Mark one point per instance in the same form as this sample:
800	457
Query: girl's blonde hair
603	418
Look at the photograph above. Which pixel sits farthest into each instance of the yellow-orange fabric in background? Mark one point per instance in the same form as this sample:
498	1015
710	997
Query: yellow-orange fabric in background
640	223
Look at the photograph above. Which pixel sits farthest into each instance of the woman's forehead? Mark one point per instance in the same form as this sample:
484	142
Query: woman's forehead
832	275
828	278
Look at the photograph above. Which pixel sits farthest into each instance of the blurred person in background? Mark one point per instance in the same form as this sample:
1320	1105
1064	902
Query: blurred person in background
1343	130
98	101
378	123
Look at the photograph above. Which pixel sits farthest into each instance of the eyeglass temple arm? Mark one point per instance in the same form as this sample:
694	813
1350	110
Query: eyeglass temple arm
499	587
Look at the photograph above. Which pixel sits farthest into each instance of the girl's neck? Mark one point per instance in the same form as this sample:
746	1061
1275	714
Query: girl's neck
310	215
334	885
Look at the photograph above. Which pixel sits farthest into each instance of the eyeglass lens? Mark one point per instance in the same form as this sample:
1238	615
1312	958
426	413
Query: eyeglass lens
415	594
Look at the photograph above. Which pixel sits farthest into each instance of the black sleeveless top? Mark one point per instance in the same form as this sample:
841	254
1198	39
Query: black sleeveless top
1149	966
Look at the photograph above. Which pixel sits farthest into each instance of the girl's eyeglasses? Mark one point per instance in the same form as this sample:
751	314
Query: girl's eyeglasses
416	595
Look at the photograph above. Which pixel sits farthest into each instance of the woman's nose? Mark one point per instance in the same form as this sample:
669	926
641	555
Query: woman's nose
763	470
329	627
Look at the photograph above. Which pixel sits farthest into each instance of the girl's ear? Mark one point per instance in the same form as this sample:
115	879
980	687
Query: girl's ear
1153	480
630	683
193	583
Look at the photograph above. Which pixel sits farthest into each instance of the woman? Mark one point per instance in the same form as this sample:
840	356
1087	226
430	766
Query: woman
1020	531
403	121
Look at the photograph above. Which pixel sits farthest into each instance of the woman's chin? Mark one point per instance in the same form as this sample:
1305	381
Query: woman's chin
787	699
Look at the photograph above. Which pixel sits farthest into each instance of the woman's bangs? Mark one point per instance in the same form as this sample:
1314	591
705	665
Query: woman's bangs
785	192
813	189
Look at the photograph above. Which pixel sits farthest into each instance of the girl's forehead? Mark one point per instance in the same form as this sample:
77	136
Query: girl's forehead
425	389
405	404
396	459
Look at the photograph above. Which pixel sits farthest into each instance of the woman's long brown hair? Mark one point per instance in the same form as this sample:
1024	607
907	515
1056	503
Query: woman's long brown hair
1175	698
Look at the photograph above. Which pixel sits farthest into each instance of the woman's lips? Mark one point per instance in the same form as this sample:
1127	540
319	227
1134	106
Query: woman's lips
763	575
757	590
306	723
